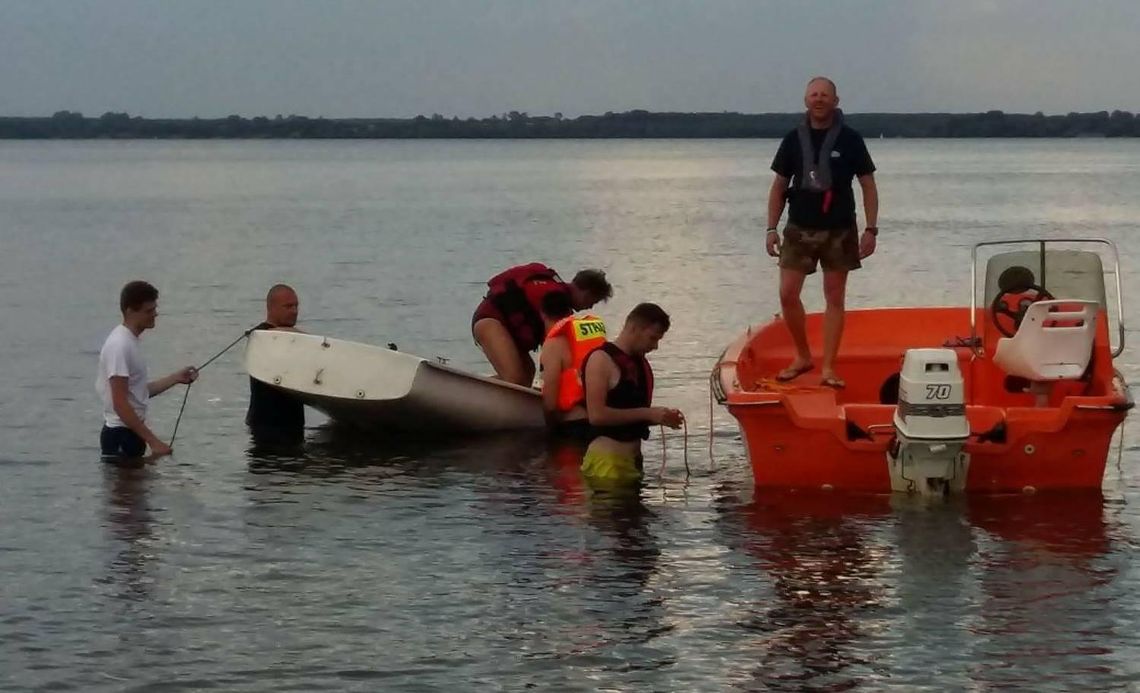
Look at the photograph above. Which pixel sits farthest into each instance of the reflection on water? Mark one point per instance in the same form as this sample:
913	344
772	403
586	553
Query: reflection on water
335	447
855	591
623	568
824	569
852	592
1056	524
129	520
993	591
564	462
1045	584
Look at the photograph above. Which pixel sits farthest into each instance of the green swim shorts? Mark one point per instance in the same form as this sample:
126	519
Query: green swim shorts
604	468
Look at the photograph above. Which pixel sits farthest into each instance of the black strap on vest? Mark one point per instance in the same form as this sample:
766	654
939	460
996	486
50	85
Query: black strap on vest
628	393
815	167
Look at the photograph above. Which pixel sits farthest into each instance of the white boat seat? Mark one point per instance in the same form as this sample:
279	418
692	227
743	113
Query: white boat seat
1054	341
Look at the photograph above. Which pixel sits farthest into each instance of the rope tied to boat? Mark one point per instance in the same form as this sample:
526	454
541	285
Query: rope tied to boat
685	440
186	394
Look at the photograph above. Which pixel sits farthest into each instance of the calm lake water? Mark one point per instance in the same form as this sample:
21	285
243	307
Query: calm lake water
484	565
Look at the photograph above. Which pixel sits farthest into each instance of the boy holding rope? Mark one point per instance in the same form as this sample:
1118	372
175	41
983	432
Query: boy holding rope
122	379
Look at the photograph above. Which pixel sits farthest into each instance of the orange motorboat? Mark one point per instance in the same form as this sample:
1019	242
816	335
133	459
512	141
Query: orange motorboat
1017	393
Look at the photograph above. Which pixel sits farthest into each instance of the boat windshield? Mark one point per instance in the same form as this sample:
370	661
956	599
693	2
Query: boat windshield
1073	274
1078	269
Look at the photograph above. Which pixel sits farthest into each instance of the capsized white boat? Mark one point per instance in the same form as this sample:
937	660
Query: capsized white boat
381	389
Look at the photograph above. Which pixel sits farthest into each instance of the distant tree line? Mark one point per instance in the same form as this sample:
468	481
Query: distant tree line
516	125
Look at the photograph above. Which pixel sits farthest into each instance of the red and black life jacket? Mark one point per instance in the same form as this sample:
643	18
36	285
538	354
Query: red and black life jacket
633	390
517	293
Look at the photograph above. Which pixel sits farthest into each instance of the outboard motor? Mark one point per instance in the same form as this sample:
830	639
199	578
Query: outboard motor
931	428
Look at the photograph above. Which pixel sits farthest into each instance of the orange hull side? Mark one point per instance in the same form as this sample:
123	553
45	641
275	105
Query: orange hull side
786	454
803	435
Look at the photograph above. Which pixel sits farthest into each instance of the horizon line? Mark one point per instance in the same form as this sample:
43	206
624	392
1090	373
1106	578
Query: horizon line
560	116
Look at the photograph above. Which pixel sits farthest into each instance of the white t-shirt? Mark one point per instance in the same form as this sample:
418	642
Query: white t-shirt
120	356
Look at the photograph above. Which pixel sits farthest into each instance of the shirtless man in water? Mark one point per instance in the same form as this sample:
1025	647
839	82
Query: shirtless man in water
619	398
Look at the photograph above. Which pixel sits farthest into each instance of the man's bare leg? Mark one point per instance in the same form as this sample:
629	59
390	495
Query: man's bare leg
835	294
502	354
791	285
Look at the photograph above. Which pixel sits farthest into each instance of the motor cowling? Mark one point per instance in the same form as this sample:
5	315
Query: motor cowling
930	424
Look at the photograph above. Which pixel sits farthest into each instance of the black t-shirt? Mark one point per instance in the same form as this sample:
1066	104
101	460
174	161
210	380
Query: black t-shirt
271	408
849	158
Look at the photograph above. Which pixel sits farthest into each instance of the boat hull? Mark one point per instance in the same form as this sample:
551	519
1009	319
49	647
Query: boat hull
376	389
807	436
785	455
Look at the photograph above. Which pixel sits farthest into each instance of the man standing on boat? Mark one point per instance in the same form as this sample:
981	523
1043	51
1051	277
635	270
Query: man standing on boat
122	379
274	414
815	166
619	398
508	325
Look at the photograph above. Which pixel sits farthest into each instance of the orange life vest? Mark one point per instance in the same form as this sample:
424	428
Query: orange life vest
583	334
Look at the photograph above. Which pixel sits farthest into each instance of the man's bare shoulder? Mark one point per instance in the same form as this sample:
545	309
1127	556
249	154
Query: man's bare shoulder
600	359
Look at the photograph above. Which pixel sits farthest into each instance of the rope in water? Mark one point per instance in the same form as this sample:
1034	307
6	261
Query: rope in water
685	423
685	442
186	394
712	459
1120	449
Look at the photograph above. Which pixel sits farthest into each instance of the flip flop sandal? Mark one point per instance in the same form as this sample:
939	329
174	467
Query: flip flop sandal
793	373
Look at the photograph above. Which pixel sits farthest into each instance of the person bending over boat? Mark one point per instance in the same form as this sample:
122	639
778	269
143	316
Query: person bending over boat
569	340
507	325
274	414
121	379
619	397
822	227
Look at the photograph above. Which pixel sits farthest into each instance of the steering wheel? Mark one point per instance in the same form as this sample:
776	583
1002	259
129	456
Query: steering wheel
1026	295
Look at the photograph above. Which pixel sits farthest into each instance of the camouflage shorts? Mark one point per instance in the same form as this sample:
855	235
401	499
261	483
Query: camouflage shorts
835	250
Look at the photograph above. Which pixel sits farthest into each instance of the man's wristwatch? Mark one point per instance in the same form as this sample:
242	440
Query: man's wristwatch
873	230
773	230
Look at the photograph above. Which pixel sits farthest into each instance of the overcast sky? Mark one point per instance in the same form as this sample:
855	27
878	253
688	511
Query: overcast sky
400	58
